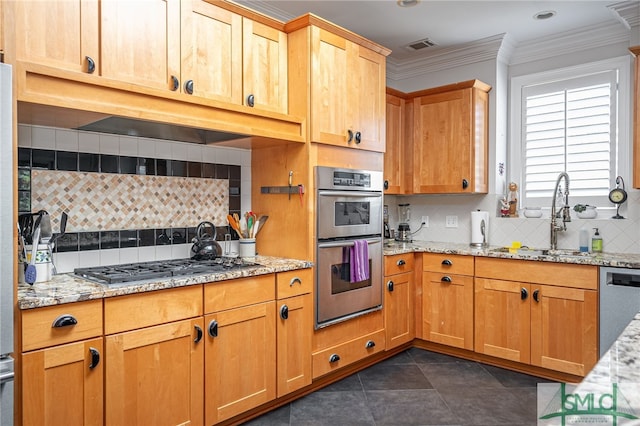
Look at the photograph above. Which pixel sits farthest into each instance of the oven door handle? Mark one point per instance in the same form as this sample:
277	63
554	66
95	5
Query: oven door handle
346	243
358	194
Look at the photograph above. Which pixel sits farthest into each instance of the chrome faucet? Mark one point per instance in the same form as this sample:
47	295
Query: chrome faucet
566	212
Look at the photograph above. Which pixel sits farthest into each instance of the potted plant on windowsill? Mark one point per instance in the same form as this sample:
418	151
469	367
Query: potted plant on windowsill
585	211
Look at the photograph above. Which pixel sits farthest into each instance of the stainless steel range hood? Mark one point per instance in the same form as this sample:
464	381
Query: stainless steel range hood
150	129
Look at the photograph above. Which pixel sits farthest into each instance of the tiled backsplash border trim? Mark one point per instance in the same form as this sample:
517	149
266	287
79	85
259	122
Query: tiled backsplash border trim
44	159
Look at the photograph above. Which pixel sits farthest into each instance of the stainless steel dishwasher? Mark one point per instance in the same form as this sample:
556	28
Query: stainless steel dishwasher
619	302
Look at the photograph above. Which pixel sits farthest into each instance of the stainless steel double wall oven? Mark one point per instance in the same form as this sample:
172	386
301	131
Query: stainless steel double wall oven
349	212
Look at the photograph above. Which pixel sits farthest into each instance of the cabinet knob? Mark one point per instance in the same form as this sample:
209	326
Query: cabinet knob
390	285
295	280
175	83
370	344
334	358
349	136
64	320
447	262
536	295
284	312
358	137
401	262
91	64
213	328
199	333
251	100
465	184
446	279
524	293
95	358
385	185
188	87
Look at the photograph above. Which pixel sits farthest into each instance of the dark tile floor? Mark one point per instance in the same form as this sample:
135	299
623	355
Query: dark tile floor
416	387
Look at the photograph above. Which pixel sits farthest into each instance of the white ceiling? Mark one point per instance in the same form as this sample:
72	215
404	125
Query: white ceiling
453	23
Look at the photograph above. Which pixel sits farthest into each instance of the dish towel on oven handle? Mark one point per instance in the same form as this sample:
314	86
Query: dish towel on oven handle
359	261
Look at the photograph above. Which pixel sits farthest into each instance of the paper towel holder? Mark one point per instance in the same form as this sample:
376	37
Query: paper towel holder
483	229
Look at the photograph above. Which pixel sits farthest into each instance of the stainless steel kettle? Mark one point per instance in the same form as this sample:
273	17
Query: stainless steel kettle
205	246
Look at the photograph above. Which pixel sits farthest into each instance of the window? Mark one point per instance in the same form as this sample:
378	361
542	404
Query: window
568	121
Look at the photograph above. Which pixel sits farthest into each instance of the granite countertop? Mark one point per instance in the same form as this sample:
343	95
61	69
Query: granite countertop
69	288
619	260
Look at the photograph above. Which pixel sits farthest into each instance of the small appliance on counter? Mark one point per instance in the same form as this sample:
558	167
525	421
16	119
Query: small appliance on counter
404	230
385	221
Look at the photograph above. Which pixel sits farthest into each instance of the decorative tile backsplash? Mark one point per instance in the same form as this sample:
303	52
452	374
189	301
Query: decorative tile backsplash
106	201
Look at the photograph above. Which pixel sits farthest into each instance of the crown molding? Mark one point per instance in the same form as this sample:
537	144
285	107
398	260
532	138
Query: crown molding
445	58
570	42
627	12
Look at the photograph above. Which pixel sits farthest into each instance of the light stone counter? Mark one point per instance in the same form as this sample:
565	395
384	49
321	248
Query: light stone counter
68	288
619	260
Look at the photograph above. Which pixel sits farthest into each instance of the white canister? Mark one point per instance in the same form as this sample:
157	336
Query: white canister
247	247
43	263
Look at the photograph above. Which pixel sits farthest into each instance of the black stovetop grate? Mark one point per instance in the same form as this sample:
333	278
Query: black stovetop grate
128	272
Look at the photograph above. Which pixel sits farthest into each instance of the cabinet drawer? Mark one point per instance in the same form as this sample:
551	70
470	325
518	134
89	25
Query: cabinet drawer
448	263
146	309
347	353
39	328
530	271
294	283
398	263
223	295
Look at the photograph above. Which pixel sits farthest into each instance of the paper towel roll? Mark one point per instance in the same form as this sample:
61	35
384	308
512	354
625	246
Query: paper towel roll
479	228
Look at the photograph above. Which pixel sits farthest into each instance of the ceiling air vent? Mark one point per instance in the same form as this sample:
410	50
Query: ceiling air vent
420	44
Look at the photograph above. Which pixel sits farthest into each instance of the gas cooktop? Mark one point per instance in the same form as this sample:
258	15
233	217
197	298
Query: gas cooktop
129	272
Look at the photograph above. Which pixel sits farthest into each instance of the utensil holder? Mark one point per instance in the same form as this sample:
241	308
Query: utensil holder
247	247
43	263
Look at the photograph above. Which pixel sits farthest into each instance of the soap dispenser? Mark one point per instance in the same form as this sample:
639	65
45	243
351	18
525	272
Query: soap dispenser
596	242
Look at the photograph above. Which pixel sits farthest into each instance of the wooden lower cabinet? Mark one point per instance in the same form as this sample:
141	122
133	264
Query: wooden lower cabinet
447	300
154	375
399	296
549	326
62	385
293	336
240	363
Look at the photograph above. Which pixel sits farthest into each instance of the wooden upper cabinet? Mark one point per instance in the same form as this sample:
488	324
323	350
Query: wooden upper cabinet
394	158
211	51
265	78
636	120
60	34
451	139
347	92
140	41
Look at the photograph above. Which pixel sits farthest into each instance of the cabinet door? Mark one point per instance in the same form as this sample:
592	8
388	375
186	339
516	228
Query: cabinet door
366	97
240	359
398	309
265	67
211	51
60	34
564	329
294	332
328	88
443	143
447	309
393	156
140	41
155	375
63	384
502	319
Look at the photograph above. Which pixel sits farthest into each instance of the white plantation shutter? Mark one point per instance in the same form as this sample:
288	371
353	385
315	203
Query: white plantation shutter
570	126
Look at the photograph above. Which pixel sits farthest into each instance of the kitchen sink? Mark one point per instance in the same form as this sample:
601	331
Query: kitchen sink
524	251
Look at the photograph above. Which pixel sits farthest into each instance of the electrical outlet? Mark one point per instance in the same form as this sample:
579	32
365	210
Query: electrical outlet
451	222
425	221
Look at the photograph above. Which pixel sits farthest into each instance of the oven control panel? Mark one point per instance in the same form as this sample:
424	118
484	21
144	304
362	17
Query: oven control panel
347	179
